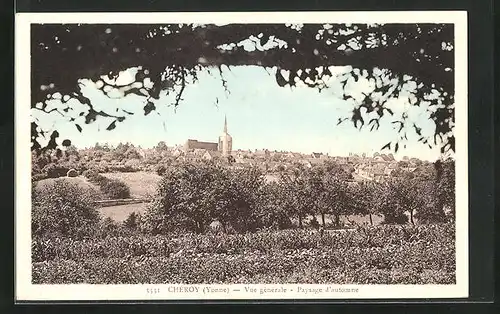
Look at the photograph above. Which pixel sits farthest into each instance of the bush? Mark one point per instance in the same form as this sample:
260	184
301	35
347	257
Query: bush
55	170
431	214
391	217
114	189
122	168
64	208
132	221
90	174
133	164
108	228
160	170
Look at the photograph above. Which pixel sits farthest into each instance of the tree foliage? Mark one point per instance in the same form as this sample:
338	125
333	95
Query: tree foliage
415	61
191	196
63	207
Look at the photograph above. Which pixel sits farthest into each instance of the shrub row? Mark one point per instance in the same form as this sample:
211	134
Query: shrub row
112	188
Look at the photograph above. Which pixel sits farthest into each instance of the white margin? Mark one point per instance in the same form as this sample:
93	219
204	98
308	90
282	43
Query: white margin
25	290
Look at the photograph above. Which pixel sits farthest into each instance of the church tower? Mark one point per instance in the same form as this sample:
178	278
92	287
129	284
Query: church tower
225	141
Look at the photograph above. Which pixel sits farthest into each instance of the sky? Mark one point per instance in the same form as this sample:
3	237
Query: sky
260	114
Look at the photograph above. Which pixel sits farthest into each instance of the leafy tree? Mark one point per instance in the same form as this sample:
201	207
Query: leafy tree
63	208
439	181
414	193
387	203
240	198
161	146
189	196
408	60
297	199
445	185
316	190
336	196
365	196
329	190
125	151
271	210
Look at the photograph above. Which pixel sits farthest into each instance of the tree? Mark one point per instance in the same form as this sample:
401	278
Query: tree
190	196
161	146
64	208
336	196
445	185
413	59
297	199
271	209
316	190
439	181
414	193
365	196
388	203
241	198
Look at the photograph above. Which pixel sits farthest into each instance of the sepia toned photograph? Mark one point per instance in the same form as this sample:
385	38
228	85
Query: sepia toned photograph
289	156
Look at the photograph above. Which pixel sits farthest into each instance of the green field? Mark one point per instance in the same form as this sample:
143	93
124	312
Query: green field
142	184
120	213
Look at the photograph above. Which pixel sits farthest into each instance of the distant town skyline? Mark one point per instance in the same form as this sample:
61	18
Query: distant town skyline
260	115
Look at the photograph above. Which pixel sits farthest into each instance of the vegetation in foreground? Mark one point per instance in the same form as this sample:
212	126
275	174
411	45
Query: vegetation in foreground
378	255
211	224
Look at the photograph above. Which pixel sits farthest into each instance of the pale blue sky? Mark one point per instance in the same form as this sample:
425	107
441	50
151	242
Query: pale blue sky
260	115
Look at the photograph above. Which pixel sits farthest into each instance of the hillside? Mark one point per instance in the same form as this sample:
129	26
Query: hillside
142	184
80	180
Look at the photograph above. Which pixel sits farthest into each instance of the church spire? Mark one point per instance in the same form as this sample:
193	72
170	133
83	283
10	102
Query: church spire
225	140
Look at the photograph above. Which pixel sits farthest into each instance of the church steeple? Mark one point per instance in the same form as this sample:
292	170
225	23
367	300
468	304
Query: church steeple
225	141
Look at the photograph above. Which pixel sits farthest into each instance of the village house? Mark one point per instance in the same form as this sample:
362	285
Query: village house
316	155
294	156
211	155
176	152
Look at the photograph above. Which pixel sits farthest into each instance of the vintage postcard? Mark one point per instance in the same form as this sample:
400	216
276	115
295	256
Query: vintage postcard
193	156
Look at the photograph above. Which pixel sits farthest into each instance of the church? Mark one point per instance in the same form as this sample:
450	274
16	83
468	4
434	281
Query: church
224	145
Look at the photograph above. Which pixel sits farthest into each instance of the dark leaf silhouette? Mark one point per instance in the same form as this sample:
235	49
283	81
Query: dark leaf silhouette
417	129
66	143
280	79
386	146
111	126
148	108
88	51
